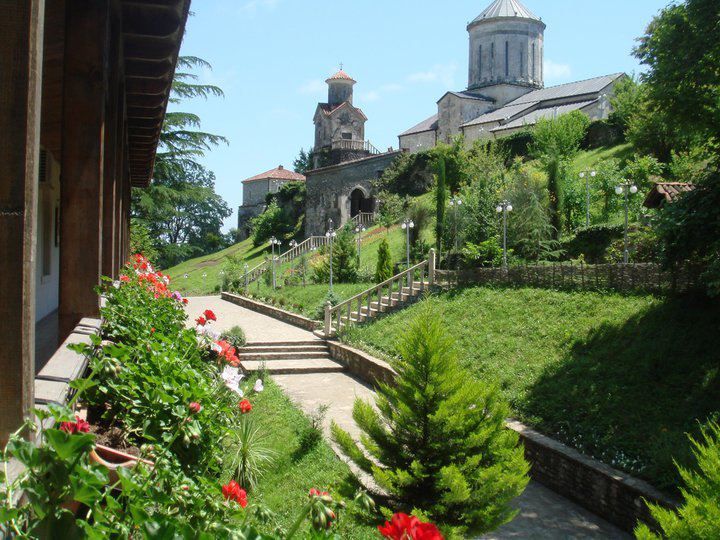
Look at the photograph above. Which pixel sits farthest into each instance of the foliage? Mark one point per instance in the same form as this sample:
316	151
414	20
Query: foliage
437	443
304	162
487	253
330	296
454	159
270	223
391	208
516	145
384	269
441	200
644	246
690	228
619	377
284	216
141	240
555	142
310	435
421	215
235	336
626	99
593	242
699	515
409	174
344	260
251	455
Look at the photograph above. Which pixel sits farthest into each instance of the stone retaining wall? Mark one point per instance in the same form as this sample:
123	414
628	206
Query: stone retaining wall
265	309
369	369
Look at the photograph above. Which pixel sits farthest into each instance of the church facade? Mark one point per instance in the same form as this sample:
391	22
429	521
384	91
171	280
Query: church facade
506	91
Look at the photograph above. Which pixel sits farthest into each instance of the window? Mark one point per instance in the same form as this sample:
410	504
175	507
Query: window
507	59
347	136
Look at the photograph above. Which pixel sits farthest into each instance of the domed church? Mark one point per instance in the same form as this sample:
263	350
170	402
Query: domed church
505	91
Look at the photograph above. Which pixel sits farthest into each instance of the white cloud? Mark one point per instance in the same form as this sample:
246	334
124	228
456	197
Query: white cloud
439	73
252	6
555	72
313	87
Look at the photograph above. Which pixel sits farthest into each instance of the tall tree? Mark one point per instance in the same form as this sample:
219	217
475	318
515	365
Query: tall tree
180	208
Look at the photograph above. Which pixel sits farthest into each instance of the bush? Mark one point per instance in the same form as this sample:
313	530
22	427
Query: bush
699	515
516	144
602	133
644	246
235	336
410	174
344	260
593	242
487	253
384	268
435	442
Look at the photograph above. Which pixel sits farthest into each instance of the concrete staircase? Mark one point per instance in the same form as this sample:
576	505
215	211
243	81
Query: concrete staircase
288	357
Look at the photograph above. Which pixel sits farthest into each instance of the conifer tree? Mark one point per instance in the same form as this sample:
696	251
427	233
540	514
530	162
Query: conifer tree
437	440
383	270
344	259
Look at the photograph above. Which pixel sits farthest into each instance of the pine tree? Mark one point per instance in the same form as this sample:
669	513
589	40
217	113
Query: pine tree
344	259
383	270
441	198
437	440
699	515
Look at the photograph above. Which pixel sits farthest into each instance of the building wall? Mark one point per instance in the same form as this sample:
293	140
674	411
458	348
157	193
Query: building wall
329	190
506	51
254	192
454	111
330	128
478	131
417	142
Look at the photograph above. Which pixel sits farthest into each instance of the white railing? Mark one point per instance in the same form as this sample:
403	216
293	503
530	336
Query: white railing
405	284
359	146
364	218
310	244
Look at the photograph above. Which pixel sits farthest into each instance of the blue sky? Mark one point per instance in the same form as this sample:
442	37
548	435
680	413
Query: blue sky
271	58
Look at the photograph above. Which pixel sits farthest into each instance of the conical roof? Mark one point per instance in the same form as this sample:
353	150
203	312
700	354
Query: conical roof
340	76
506	8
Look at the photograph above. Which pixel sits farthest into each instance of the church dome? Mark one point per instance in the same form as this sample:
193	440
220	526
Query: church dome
500	9
340	76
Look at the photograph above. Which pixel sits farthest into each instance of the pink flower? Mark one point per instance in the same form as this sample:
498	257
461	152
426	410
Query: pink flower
195	407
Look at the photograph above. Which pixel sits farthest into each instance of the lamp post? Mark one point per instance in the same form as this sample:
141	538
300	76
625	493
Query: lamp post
273	242
407	225
330	235
359	230
586	175
246	268
503	208
626	188
293	244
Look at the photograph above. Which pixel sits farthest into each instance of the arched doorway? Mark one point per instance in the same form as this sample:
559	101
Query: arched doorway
359	203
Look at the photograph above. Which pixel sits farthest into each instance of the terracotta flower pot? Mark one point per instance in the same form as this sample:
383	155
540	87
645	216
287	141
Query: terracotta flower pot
114	460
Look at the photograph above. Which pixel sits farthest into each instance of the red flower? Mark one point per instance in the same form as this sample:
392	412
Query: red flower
185	300
201	321
209	315
404	527
195	407
233	492
125	279
152	330
79	426
317	493
228	352
245	406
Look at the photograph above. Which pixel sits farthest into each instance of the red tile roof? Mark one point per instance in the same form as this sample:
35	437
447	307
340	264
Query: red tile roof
341	75
279	173
666	192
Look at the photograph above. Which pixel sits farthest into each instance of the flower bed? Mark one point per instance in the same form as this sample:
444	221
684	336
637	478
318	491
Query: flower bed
188	457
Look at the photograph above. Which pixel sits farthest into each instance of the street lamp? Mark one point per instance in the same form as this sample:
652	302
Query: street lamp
273	242
503	208
407	225
246	268
626	189
359	230
330	235
587	175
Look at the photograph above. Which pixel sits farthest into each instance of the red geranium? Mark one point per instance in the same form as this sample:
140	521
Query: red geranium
201	321
228	352
79	426
125	279
317	493
195	407
233	492
245	406
404	527
209	315
185	300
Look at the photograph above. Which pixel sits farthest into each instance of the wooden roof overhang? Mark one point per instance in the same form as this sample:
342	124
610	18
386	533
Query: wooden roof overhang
152	33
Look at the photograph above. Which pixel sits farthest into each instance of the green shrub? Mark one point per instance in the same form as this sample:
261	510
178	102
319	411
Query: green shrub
235	336
251	456
384	269
699	515
517	144
593	242
644	246
344	260
487	253
435	442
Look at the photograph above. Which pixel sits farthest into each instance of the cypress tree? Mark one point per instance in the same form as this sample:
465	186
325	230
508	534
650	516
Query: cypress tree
437	439
441	199
383	270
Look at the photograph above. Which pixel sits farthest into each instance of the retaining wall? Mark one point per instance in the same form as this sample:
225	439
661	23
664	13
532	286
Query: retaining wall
265	309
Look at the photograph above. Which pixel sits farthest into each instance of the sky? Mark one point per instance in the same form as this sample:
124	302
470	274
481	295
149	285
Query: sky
271	58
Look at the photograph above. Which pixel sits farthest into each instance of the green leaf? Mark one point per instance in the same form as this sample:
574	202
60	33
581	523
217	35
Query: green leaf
82	384
68	446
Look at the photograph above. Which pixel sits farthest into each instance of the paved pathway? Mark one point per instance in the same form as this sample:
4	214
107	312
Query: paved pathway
543	513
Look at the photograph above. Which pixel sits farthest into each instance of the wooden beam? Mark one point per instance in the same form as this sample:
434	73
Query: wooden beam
81	194
21	28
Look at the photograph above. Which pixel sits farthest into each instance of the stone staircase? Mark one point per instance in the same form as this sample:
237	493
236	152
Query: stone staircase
288	357
310	244
397	291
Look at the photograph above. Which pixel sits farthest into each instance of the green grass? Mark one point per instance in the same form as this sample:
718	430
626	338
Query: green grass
285	485
622	378
588	159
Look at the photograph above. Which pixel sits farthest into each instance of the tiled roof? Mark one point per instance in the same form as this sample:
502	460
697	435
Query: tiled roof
500	114
547	112
279	173
467	95
328	109
505	8
573	89
429	124
666	192
341	76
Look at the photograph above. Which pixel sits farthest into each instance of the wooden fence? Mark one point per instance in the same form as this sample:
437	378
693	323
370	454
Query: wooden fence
646	277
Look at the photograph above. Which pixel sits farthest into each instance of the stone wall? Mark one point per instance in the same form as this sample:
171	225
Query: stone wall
366	367
329	190
417	142
276	313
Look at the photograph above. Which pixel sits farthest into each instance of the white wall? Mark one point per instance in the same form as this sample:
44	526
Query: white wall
47	277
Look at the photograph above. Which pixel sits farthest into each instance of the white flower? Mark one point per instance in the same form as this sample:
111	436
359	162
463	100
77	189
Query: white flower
116	284
258	386
232	378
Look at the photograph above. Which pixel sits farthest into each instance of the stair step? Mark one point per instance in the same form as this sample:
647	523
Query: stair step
283	343
283	348
273	356
287	367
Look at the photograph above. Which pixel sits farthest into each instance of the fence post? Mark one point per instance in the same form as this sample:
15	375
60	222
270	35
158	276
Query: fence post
431	267
328	322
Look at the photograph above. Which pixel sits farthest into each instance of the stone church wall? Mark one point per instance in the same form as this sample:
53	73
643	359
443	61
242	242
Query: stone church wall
329	190
417	142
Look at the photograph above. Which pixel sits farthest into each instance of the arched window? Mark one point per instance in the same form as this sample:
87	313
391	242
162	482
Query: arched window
507	58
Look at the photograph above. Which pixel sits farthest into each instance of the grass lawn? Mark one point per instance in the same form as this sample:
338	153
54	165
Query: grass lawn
285	485
622	378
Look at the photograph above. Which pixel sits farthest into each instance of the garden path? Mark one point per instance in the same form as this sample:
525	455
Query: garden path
542	512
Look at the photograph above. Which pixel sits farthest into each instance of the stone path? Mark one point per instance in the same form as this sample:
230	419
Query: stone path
542	513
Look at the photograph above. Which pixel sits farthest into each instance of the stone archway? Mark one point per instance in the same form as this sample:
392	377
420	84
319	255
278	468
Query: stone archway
360	202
